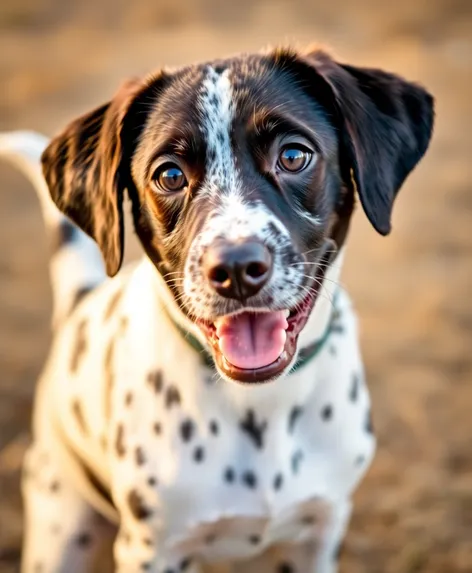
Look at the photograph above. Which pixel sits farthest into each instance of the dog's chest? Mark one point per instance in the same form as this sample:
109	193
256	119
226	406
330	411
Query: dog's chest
229	474
241	497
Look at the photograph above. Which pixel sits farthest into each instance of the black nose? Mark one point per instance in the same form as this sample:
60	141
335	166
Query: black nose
238	270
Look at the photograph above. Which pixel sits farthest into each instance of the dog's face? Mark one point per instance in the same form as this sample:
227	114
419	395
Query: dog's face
242	175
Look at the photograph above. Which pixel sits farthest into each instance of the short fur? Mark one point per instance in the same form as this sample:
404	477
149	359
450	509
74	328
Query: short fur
201	474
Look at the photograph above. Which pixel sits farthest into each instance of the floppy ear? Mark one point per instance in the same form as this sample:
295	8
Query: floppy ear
385	124
82	169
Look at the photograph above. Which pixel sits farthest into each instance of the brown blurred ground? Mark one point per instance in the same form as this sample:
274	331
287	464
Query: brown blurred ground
60	57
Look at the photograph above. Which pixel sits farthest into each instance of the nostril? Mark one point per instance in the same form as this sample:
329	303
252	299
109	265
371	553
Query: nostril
218	275
256	270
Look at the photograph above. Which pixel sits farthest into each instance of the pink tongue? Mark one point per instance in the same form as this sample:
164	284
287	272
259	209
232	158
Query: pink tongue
252	340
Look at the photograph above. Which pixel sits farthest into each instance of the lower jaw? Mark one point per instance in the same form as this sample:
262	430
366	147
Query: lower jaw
295	325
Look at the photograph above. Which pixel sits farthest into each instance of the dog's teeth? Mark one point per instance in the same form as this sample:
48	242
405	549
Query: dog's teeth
286	313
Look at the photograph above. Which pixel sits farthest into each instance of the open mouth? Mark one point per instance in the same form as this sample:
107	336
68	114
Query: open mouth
255	347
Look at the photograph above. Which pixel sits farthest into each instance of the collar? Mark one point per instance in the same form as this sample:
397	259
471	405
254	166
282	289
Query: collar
305	355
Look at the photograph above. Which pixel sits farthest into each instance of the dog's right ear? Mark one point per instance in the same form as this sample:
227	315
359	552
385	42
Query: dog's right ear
82	167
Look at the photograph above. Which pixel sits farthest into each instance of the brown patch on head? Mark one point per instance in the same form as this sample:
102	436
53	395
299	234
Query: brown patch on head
80	346
79	416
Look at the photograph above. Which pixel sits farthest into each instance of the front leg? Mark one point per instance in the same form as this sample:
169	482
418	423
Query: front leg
328	552
138	545
63	533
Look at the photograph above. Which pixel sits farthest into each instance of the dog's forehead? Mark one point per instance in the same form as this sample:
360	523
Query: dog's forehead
201	104
248	81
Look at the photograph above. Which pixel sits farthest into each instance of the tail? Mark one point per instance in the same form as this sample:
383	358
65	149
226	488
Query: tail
76	263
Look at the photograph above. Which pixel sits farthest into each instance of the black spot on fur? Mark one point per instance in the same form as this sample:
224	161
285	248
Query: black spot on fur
229	475
249	479
278	482
337	327
253	430
157	428
54	486
297	458
187	429
338	550
113	304
327	413
79	295
139	456
146	566
83	540
80	346
354	392
295	414
64	234
128	398
285	567
332	350
152	481
359	460
185	564
198	454
155	380
119	441
172	397
137	507
369	427
214	427
79	416
254	539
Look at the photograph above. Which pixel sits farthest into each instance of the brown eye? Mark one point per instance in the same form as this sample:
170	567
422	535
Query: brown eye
170	178
294	159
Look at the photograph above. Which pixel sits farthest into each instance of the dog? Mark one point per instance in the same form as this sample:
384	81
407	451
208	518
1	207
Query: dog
210	400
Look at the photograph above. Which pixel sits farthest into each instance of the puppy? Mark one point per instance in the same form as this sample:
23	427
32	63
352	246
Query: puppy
210	400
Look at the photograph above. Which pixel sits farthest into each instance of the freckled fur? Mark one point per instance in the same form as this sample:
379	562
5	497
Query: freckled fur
199	469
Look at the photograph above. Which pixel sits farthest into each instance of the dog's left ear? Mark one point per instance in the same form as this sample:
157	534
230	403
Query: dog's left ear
385	125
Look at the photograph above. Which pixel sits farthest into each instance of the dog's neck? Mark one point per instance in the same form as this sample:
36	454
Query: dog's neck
274	395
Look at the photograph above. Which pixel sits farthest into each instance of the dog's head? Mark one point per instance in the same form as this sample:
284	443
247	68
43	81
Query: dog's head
242	175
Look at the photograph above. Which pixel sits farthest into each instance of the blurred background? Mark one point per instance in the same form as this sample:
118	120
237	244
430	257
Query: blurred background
413	512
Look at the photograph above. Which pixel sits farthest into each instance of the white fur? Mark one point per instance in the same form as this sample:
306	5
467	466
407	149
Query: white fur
193	511
216	106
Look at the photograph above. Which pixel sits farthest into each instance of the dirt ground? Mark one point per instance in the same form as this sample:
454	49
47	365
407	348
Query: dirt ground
413	513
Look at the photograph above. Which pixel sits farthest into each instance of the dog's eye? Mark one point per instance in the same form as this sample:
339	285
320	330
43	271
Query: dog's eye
294	158
169	178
